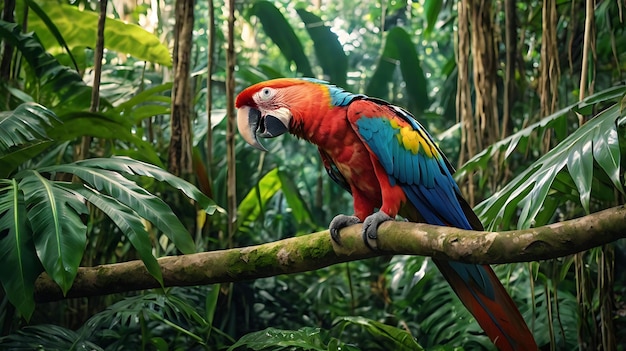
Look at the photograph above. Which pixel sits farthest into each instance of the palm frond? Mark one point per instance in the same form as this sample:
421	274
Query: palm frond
591	155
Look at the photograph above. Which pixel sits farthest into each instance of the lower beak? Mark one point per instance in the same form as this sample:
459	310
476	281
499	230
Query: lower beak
252	124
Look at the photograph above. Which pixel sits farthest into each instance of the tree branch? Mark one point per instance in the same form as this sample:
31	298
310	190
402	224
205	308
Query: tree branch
314	251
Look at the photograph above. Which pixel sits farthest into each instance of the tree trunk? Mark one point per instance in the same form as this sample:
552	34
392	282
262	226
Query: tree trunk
180	160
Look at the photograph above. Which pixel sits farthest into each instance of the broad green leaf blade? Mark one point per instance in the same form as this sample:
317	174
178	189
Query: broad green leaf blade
557	120
328	49
298	206
134	167
580	166
531	187
23	134
253	204
394	338
26	124
606	152
52	28
79	29
278	29
400	49
105	126
129	222
132	195
59	234
306	338
17	250
65	86
431	9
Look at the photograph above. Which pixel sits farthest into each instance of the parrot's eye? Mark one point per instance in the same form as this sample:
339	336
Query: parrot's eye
266	93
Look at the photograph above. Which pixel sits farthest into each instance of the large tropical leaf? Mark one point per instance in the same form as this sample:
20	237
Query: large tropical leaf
134	167
328	49
128	221
23	135
79	29
58	231
17	251
132	195
400	49
59	85
556	122
594	142
278	29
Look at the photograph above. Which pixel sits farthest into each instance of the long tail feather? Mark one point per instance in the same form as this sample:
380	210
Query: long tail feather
481	292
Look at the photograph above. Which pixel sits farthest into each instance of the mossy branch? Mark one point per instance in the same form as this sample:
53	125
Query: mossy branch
314	251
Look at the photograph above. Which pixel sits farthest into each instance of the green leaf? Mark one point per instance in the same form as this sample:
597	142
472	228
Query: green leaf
400	49
61	86
148	206
578	151
298	206
580	165
52	28
59	234
394	338
17	250
25	124
79	29
557	120
23	134
253	204
102	125
328	49
278	29
129	222
306	338
431	9
134	167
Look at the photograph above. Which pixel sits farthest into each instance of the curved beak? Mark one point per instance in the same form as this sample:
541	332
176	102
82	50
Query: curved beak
252	125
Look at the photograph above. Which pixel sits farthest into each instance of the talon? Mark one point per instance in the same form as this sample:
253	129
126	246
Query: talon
339	222
370	228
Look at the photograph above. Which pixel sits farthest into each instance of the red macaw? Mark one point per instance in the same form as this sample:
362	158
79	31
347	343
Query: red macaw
388	161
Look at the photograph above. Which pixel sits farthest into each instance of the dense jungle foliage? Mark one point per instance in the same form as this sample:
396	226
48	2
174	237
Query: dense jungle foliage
115	145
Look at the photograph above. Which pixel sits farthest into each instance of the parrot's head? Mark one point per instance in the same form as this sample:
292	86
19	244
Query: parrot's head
267	109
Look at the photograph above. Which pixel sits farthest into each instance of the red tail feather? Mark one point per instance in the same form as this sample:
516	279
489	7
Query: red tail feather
497	315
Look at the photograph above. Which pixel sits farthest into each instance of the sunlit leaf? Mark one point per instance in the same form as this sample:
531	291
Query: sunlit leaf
65	86
252	205
79	29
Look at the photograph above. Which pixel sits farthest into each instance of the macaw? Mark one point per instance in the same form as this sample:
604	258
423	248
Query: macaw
387	161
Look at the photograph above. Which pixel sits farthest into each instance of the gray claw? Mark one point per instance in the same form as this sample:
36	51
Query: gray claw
370	228
339	222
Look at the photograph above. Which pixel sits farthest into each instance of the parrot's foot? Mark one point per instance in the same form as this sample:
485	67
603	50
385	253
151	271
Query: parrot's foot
338	223
370	228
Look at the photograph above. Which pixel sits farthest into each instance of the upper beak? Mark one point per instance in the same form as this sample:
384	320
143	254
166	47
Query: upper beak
252	124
